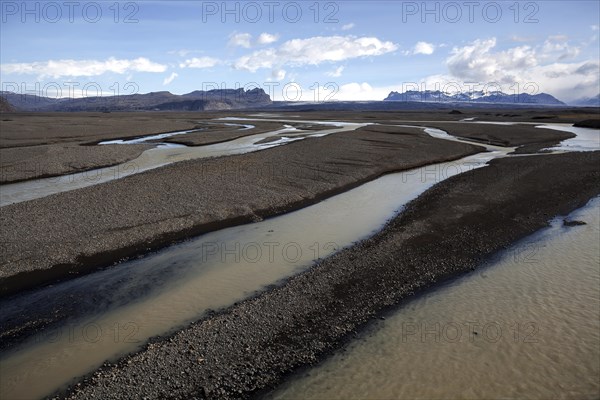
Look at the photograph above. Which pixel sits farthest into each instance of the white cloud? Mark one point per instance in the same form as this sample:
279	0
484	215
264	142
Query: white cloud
240	40
330	92
558	48
355	91
594	27
313	51
347	27
476	62
521	69
567	81
423	48
267	38
245	40
72	68
336	73
278	74
170	78
201	62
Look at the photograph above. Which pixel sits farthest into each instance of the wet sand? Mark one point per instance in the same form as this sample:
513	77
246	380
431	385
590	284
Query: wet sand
525	326
454	227
52	144
536	115
34	146
35	162
37	145
99	225
197	281
503	135
32	129
248	348
215	133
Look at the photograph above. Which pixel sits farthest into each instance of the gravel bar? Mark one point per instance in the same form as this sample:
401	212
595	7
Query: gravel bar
245	350
70	233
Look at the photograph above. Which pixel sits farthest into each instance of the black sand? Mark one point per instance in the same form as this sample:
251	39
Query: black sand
250	347
76	232
34	146
449	230
74	130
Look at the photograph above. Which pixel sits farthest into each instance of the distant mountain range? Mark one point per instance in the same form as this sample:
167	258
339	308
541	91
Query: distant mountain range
233	99
436	96
219	99
587	101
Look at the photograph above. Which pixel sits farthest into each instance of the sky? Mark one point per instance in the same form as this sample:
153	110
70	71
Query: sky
300	50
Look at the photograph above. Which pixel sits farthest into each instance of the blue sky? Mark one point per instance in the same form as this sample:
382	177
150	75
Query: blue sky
344	50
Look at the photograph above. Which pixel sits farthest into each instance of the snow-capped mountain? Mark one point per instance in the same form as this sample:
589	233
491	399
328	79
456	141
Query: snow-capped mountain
473	97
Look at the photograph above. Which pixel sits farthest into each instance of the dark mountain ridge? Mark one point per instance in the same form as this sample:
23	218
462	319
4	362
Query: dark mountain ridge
218	99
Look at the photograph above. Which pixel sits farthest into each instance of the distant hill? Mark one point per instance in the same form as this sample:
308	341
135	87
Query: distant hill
5	106
587	101
436	96
219	99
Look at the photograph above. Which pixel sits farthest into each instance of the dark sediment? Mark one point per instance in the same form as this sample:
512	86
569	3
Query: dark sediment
588	123
71	130
34	146
36	162
573	223
39	145
449	230
222	133
75	232
34	129
504	135
214	133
